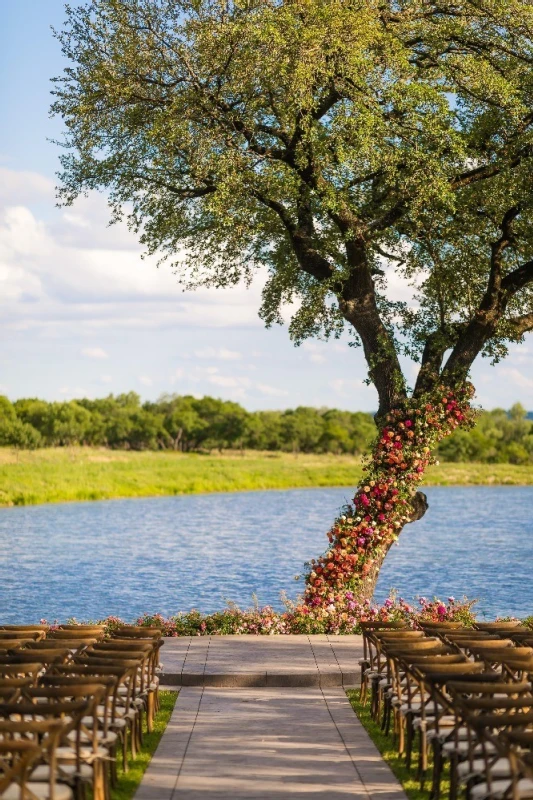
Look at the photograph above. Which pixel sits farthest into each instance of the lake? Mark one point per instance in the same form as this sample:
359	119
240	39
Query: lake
167	554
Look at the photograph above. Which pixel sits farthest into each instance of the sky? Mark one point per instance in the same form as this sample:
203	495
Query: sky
82	315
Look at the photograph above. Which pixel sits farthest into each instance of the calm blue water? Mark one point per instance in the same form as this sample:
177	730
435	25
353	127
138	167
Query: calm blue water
125	557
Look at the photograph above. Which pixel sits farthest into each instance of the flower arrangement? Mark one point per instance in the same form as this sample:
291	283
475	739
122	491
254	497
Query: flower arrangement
266	621
360	538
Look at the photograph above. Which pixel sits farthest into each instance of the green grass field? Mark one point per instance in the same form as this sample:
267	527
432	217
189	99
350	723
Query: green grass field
73	474
129	782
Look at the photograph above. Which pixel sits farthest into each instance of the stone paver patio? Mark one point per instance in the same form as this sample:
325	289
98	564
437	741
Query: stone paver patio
324	661
266	717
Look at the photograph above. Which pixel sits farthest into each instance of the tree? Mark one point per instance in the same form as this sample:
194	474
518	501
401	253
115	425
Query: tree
334	144
302	429
13	431
181	420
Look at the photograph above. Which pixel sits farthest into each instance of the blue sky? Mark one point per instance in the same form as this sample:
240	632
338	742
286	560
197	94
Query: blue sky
81	314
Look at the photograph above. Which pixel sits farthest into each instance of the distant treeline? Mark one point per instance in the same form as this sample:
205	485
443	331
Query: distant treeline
186	423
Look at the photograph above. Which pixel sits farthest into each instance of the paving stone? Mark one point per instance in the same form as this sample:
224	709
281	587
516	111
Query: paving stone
293	660
266	744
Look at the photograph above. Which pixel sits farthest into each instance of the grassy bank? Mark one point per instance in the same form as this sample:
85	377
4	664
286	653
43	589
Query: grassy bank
389	753
70	474
129	782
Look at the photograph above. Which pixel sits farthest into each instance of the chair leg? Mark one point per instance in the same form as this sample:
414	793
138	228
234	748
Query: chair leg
423	758
409	740
453	777
125	762
437	770
150	711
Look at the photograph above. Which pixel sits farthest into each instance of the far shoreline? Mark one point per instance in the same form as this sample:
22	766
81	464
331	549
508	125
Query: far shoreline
79	474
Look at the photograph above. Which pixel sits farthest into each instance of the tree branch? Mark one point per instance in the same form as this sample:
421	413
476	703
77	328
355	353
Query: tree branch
493	304
522	324
301	237
518	279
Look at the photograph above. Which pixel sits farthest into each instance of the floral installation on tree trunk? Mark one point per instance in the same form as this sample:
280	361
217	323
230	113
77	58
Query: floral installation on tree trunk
345	575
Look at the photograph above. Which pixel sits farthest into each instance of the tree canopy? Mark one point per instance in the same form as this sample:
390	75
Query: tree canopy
342	146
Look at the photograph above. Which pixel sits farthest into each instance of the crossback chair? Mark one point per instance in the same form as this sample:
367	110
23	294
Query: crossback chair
17	757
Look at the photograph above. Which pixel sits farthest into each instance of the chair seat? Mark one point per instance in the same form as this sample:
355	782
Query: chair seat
463	748
110	738
42	772
86	753
499	788
40	790
501	768
431	721
414	706
462	734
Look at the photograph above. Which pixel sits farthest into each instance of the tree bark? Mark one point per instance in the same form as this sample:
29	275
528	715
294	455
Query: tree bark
358	305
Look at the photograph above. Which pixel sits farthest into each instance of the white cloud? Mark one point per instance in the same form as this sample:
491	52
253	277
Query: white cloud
177	375
94	352
73	392
350	388
222	354
106	379
16	186
272	391
338	386
229	381
76	220
315	352
72	269
145	380
518	377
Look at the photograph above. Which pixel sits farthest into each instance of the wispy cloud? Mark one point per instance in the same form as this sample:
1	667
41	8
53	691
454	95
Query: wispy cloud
316	352
222	354
518	377
271	391
94	352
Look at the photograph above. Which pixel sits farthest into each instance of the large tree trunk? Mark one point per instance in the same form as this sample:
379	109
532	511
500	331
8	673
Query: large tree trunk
367	587
345	576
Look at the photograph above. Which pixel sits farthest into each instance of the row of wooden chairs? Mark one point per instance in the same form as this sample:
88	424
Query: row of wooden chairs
462	697
70	699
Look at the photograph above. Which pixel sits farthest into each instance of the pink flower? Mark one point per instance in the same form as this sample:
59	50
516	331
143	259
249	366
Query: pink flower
364	500
408	423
